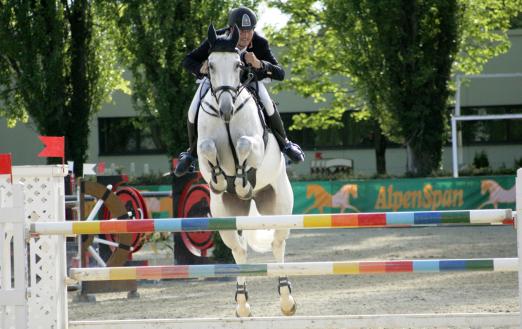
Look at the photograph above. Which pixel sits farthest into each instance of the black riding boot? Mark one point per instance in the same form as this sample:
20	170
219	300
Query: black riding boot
290	149
187	159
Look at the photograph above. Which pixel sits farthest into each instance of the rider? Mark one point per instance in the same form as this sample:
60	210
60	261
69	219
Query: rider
256	52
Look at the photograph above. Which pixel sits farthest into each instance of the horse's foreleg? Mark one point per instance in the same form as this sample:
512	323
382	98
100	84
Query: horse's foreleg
248	155
209	160
238	246
225	205
288	305
276	202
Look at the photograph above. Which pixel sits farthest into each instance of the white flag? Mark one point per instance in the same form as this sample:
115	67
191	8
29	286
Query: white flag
88	169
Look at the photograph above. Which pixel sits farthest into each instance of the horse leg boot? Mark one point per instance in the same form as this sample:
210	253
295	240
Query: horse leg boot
247	149
288	304
238	246
209	159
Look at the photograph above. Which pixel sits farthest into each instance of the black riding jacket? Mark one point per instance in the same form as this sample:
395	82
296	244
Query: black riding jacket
259	46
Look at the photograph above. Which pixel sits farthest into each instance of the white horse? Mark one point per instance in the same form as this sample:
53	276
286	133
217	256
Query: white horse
242	163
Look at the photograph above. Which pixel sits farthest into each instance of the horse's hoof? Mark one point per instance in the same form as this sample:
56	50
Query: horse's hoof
243	311
217	190
247	196
244	192
291	311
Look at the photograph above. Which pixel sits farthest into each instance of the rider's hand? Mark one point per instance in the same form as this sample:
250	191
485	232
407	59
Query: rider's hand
250	58
204	68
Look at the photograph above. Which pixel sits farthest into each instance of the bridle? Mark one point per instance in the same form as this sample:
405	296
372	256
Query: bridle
232	90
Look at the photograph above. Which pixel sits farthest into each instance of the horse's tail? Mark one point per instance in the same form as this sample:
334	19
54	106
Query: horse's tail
259	240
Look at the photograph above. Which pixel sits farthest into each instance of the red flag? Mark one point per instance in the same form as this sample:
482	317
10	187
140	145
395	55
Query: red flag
101	167
6	166
54	147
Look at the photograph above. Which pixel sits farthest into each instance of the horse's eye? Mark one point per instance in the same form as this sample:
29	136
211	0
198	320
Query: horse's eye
210	66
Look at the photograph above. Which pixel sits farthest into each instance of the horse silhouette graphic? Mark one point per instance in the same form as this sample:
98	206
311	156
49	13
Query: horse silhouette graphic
496	193
322	199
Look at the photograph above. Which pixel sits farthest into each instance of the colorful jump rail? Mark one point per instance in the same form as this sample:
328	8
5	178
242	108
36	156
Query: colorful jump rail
322	221
293	269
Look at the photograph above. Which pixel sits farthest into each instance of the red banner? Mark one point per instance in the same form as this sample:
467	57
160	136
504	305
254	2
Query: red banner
6	164
54	147
101	167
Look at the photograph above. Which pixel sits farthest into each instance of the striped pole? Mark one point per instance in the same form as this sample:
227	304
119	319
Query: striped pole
322	221
293	269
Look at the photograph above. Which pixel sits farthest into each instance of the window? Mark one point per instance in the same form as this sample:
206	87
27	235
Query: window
352	135
128	135
492	131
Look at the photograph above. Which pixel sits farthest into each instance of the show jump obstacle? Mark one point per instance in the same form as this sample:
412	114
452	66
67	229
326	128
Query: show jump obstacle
33	274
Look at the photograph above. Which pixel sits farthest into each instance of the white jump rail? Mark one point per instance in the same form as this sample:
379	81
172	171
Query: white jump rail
456	320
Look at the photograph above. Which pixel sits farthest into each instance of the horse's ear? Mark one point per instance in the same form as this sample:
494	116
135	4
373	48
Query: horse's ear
212	35
235	35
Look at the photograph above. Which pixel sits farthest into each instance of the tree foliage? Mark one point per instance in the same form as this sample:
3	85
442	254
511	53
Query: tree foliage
57	66
389	60
155	37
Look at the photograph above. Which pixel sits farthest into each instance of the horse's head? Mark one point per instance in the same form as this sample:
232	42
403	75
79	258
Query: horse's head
224	67
313	189
485	185
350	189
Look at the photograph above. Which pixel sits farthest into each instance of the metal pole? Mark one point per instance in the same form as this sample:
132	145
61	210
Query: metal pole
454	136
454	159
518	194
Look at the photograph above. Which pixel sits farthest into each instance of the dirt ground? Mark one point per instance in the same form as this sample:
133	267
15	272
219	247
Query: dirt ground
340	295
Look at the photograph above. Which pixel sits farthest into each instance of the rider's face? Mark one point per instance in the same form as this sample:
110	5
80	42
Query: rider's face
245	37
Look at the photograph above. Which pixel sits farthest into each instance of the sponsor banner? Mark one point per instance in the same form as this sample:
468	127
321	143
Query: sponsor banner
483	192
404	194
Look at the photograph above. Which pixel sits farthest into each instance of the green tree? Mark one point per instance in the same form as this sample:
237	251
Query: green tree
155	37
396	55
56	67
412	45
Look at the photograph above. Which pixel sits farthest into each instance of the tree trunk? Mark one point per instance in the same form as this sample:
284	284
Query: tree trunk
379	144
78	111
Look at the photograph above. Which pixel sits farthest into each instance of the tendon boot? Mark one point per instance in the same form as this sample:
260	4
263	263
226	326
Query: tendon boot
290	149
186	160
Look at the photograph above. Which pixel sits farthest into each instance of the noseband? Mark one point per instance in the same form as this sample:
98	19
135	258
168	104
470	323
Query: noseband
233	91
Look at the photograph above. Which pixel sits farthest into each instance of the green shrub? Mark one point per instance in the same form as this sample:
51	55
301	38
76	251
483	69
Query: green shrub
481	160
518	163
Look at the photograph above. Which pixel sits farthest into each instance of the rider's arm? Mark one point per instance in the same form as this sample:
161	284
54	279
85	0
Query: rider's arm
195	59
271	68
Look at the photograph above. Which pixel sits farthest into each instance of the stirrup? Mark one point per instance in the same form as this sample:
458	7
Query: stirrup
293	152
185	164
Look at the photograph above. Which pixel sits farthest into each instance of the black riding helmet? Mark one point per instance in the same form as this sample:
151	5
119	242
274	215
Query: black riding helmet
243	17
